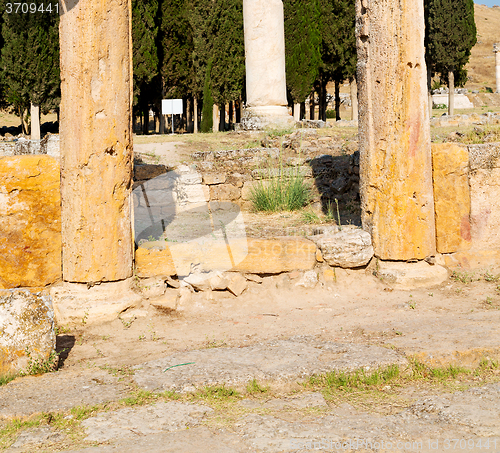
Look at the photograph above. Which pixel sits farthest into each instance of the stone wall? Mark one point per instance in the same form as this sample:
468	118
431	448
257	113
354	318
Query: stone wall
30	221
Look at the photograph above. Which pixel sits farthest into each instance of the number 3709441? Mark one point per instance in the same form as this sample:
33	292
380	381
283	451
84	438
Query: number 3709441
32	8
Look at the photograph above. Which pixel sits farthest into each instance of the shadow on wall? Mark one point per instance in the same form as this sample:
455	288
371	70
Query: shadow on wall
337	178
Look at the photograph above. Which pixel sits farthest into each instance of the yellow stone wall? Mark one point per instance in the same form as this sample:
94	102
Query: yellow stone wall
30	221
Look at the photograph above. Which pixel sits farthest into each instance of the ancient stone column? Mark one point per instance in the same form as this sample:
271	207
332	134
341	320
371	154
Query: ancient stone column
265	64
96	140
395	147
354	99
496	49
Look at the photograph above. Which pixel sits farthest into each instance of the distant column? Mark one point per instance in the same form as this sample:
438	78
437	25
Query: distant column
496	49
96	140
265	64
394	131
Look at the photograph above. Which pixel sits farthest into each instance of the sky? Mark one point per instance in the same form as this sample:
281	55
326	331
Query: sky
488	2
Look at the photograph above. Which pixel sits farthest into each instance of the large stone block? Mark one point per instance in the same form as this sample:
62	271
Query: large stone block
484	193
257	256
450	165
30	221
411	275
349	247
26	327
273	256
395	146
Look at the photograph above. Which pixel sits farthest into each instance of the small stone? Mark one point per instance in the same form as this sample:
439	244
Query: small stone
224	192
236	179
167	301
214	178
308	280
254	278
151	287
133	314
237	284
319	256
294	274
349	247
184	298
173	283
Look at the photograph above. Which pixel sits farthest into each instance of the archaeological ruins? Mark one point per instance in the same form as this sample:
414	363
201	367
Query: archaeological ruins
425	209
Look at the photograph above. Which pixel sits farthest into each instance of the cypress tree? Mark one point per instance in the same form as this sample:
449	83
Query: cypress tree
302	46
177	48
30	62
228	53
449	38
208	102
338	49
145	55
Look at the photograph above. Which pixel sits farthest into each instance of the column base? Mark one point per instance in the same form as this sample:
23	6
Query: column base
266	117
75	304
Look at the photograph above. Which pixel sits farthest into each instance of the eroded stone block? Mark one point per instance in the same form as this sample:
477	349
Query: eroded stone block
30	221
26	327
450	165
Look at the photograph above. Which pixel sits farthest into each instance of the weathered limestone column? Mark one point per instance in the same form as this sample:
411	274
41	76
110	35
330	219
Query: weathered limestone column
96	147
395	146
96	160
496	49
265	64
353	84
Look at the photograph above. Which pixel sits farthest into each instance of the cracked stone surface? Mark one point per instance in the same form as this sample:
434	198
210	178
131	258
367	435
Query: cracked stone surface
58	392
142	421
278	360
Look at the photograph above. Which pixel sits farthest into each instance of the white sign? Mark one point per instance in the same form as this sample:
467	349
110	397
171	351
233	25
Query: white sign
171	106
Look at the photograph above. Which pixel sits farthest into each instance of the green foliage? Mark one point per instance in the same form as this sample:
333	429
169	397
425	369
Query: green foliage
228	51
30	61
302	46
5	379
177	47
208	103
282	193
145	49
38	366
253	387
450	34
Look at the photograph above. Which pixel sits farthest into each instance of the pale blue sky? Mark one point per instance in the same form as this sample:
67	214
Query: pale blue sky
488	2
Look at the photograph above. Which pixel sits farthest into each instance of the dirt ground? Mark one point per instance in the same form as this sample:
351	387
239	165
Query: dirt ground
356	308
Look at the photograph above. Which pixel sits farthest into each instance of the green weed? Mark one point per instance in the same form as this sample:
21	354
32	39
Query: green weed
463	277
40	365
253	387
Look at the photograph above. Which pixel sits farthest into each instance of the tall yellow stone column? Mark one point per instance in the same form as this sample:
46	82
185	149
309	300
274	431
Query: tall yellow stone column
96	162
395	146
96	145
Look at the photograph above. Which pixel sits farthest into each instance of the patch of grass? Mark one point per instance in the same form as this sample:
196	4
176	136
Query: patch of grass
488	277
253	387
310	216
5	379
282	193
359	379
218	392
40	365
140	397
463	277
274	133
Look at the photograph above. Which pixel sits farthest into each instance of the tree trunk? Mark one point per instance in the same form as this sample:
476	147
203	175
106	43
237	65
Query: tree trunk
189	112
323	101
215	120
302	110
195	115
238	110
145	124
337	100
354	99
231	114
451	93
35	122
222	124
312	105
296	112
